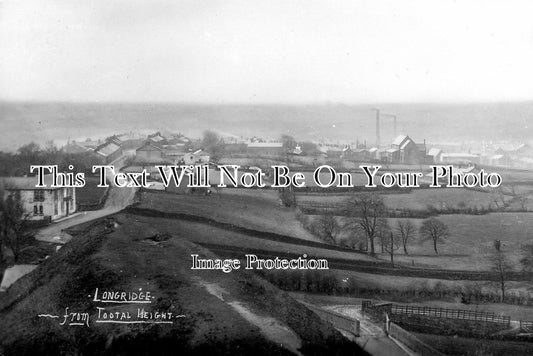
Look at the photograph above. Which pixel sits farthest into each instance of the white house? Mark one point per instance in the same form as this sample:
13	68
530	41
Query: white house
196	157
435	154
40	203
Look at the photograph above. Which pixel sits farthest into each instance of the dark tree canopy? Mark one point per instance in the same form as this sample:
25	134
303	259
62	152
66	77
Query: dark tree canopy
213	144
289	144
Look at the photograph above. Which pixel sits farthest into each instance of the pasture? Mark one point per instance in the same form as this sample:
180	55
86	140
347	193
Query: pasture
417	199
252	208
471	241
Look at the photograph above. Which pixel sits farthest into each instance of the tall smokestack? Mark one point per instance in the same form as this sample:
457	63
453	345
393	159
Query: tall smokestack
378	134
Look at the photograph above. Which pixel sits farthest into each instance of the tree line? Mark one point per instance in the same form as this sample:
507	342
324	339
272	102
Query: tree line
365	217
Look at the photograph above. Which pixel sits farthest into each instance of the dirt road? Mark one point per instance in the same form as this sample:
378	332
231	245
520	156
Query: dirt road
117	200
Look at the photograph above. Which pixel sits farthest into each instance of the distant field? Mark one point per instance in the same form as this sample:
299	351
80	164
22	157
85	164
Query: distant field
417	199
440	198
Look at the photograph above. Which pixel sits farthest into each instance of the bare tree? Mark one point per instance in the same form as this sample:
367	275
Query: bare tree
394	243
383	231
405	229
501	266
435	230
367	213
326	227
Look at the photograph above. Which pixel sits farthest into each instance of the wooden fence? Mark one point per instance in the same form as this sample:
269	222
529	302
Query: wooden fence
526	326
460	314
451	314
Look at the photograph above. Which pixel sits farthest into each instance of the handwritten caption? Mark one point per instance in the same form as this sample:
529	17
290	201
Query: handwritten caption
110	315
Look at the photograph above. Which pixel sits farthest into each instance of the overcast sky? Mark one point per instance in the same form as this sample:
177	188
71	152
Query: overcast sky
266	51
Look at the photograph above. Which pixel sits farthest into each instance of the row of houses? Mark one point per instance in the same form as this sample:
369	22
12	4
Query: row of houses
404	150
154	148
169	148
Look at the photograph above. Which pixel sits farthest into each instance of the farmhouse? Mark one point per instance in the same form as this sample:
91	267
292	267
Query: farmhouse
391	155
435	155
196	157
157	139
149	153
348	153
404	150
373	153
129	147
110	150
40	203
363	154
174	153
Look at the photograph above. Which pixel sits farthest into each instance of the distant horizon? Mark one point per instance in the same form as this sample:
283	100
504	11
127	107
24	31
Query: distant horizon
434	122
321	103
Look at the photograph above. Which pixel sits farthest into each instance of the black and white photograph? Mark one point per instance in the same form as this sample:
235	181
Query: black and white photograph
266	177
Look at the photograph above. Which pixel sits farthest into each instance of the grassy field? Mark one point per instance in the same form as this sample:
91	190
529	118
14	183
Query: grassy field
471	240
468	247
453	345
203	233
255	209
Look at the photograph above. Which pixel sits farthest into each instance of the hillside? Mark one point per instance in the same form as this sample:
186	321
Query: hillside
212	312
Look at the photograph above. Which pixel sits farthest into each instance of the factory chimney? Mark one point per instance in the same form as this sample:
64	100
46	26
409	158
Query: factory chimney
378	133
